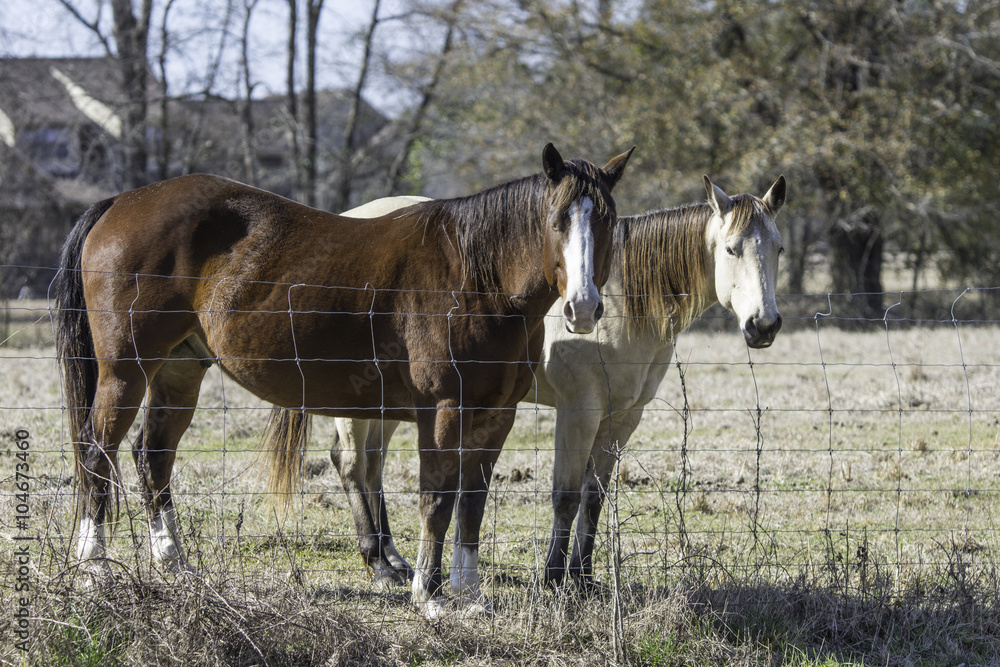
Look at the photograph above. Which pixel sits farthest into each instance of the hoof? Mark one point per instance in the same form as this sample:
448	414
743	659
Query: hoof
386	577
95	573
178	567
172	561
399	564
433	609
480	607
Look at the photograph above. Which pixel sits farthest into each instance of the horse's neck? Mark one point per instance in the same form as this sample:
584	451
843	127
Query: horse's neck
670	256
526	290
514	272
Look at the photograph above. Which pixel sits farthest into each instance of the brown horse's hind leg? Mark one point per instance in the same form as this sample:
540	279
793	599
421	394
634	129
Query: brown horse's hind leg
170	403
120	387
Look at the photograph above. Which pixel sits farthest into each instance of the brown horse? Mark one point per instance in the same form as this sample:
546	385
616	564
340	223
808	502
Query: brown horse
433	314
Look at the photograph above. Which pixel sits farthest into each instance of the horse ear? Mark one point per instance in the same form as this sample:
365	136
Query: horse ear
616	166
552	163
717	199
775	197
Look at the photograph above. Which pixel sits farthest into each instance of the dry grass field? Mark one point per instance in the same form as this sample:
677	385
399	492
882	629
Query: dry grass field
832	500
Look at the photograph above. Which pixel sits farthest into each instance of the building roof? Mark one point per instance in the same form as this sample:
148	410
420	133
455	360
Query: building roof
47	92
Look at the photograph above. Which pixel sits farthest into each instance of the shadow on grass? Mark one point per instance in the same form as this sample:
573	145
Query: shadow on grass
260	619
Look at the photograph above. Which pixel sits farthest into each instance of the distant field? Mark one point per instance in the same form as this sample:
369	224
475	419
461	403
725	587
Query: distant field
859	471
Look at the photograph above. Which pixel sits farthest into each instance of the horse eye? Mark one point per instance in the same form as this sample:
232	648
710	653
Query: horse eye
730	251
781	249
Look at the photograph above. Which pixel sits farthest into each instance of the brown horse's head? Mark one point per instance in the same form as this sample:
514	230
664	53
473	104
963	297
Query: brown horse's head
581	213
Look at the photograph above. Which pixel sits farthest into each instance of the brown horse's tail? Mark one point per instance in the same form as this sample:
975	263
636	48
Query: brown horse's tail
74	342
285	438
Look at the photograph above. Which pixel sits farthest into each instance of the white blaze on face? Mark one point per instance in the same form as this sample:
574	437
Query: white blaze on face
582	298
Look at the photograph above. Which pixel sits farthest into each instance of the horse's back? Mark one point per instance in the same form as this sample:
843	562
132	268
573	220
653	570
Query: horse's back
176	226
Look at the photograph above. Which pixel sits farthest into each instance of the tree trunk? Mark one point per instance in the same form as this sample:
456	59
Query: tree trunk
410	137
292	101
856	264
312	27
164	154
245	102
343	196
131	36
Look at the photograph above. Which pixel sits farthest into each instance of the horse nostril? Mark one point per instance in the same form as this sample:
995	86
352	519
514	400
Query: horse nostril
568	311
777	324
599	312
750	328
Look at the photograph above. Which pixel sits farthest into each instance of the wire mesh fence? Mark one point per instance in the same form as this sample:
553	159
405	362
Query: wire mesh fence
857	451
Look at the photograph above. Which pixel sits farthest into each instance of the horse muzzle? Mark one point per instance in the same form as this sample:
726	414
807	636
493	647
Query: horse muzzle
581	315
759	332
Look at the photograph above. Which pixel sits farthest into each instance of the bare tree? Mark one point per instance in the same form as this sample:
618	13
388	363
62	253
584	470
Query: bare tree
164	153
244	103
292	97
194	132
313	7
342	198
429	90
131	36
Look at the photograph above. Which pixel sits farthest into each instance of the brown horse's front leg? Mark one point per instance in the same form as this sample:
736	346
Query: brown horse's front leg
440	465
479	454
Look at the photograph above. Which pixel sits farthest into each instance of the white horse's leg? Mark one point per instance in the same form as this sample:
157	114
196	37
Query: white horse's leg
377	447
576	428
350	458
608	445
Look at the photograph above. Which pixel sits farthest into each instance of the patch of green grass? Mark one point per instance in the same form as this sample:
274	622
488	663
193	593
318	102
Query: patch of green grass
80	644
660	649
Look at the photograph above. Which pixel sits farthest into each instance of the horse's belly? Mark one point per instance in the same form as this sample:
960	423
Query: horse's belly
359	389
316	363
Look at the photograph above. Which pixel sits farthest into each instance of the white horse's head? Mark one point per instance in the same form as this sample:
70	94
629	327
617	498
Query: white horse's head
744	244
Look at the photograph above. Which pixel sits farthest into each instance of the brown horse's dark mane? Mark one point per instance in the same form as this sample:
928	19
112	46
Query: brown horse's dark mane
660	259
501	226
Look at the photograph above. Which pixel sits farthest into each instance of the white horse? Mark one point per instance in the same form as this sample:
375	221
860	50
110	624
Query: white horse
669	267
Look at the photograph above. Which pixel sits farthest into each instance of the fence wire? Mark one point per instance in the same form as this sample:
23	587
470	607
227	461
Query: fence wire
860	451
